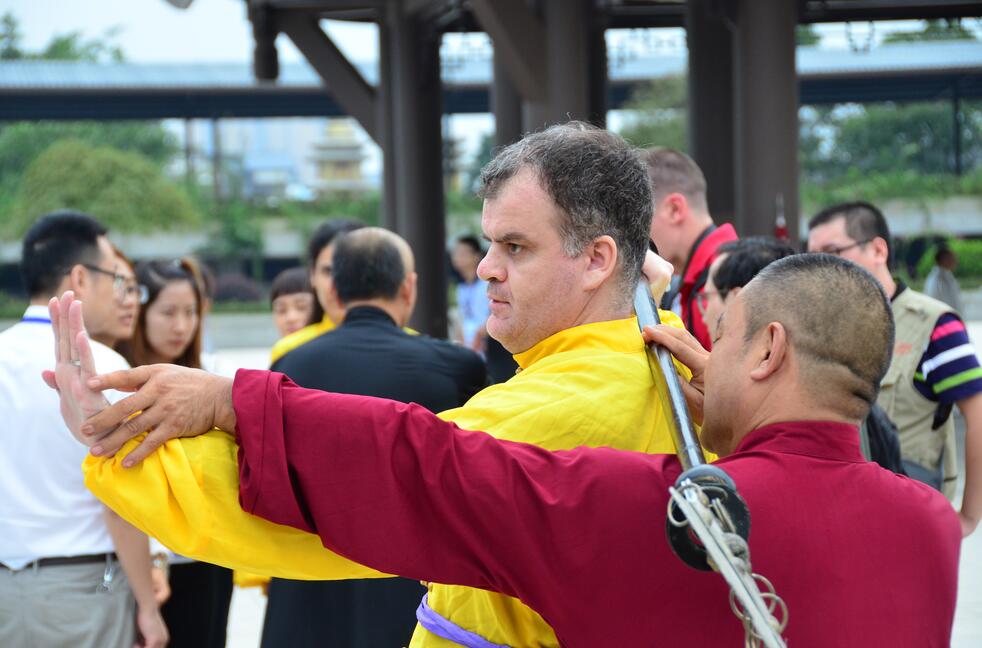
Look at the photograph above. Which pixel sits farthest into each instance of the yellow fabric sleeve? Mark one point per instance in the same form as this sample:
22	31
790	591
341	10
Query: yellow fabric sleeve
186	494
247	579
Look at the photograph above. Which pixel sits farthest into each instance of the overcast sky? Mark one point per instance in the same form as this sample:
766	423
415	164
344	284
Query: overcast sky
155	31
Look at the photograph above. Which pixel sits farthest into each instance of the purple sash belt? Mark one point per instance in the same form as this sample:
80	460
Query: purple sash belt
447	629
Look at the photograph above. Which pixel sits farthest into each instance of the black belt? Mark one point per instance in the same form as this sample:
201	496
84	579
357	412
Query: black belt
61	561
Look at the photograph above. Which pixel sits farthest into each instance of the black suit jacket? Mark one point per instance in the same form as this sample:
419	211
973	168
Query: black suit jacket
369	355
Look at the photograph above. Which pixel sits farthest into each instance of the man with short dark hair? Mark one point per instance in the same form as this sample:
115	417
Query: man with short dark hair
934	366
369	353
69	567
857	553
683	230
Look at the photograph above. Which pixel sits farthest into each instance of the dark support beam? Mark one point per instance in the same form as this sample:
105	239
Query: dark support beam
345	83
766	116
710	104
506	104
597	75
414	152
569	48
385	115
518	35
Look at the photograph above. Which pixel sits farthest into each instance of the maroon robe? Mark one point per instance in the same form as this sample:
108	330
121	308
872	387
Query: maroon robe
862	557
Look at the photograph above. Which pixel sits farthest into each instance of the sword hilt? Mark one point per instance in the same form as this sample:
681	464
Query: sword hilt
722	497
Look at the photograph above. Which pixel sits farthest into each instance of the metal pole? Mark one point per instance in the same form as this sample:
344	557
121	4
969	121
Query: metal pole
683	433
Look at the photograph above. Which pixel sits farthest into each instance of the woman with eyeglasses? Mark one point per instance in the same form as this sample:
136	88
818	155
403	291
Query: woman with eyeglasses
169	330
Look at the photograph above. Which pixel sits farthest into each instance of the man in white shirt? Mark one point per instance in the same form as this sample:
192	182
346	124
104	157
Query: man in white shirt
71	571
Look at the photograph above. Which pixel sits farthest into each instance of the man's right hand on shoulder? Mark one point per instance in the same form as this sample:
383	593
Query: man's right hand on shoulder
689	352
168	400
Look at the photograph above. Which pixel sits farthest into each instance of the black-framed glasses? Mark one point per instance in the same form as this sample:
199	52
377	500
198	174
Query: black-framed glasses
124	288
838	250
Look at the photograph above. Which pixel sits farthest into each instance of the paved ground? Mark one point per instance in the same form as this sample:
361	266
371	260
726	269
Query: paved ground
248	606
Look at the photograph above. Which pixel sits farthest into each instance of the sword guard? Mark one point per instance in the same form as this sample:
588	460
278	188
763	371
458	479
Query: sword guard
720	494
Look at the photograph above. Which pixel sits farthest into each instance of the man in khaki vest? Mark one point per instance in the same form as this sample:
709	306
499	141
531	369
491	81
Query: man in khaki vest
934	366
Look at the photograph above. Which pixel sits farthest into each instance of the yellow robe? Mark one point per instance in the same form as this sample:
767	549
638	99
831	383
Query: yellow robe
290	342
589	385
585	386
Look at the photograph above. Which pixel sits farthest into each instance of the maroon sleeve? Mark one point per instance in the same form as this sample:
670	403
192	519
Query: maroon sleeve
395	488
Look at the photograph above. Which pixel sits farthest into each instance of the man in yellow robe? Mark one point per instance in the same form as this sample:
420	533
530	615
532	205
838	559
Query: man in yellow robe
567	213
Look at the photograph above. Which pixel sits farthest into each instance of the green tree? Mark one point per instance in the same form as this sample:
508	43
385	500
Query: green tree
485	151
888	138
934	30
22	142
806	35
71	46
658	114
128	191
10	37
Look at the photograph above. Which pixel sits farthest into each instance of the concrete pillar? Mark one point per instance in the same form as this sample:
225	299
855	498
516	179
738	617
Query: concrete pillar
766	108
711	118
506	104
414	155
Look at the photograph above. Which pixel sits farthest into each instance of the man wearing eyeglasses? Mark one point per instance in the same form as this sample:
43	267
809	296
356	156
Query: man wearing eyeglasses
70	569
934	366
127	297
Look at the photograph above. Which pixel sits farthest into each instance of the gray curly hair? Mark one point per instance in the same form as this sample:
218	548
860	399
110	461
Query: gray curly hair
597	179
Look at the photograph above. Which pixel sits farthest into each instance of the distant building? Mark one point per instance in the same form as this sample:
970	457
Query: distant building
338	157
267	177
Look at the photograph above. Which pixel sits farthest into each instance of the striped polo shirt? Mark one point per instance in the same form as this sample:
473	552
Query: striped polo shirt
949	369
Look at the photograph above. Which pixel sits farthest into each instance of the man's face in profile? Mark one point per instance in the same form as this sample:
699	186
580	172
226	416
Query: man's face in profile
832	238
727	378
534	287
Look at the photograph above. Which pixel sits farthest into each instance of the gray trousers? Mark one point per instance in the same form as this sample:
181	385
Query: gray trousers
66	606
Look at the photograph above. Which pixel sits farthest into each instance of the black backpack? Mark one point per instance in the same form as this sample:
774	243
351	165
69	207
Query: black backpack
882	439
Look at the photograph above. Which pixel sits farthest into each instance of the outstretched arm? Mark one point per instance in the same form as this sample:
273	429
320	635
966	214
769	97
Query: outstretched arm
392	486
186	494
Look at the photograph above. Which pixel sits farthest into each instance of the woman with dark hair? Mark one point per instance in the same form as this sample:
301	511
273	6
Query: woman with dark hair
169	326
169	330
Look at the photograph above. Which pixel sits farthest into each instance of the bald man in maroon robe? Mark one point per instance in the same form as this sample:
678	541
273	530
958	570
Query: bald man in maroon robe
861	556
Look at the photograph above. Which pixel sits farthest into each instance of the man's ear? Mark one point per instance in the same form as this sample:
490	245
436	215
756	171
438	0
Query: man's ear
408	289
79	280
772	352
677	208
881	249
601	258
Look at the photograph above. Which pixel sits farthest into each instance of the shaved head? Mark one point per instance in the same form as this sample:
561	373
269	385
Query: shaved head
838	322
370	263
